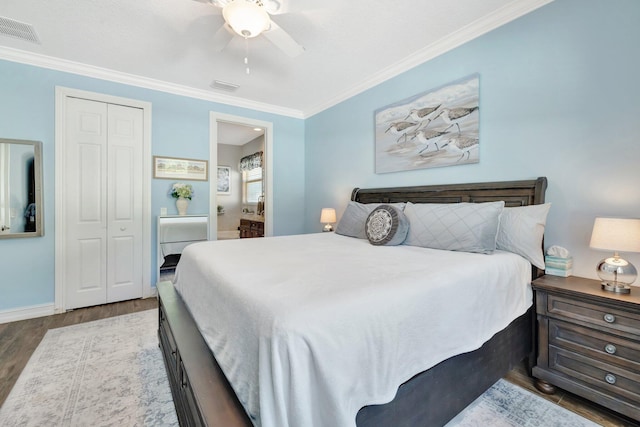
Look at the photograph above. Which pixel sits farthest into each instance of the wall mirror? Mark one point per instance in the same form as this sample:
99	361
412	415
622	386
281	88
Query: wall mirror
20	188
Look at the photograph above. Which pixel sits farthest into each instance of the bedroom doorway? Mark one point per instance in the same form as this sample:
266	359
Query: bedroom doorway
219	124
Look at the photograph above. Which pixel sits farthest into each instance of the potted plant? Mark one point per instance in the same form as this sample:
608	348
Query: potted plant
182	193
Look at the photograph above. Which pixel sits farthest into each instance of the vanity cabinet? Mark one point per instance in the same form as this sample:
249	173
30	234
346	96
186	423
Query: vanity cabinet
251	228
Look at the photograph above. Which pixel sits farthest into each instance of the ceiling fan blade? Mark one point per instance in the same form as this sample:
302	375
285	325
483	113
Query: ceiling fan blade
222	37
283	40
219	3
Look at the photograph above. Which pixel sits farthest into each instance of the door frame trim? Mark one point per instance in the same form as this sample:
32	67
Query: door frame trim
61	94
214	118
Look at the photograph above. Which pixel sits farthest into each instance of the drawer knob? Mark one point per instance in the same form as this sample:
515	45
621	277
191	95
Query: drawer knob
610	348
610	378
609	318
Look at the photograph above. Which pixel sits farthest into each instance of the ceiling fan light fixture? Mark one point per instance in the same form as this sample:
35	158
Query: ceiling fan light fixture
246	18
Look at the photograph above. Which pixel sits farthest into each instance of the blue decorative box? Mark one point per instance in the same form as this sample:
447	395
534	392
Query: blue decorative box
557	266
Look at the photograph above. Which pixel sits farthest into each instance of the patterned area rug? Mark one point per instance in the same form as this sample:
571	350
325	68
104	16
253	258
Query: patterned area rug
103	373
507	405
110	373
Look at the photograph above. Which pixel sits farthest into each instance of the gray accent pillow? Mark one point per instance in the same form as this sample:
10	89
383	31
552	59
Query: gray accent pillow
521	231
466	227
354	217
386	225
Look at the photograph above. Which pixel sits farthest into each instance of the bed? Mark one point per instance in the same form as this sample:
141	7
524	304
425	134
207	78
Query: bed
432	396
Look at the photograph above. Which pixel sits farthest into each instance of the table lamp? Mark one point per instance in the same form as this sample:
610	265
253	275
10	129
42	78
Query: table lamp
328	216
616	234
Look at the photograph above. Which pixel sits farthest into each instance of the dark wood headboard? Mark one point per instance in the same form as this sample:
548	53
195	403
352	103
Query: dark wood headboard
514	193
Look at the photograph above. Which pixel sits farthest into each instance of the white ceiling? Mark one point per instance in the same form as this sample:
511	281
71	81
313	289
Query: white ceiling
237	134
350	45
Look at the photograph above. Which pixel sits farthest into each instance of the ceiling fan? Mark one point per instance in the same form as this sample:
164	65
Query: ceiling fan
251	18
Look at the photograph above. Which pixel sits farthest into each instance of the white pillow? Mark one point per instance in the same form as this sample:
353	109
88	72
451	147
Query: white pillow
467	227
521	231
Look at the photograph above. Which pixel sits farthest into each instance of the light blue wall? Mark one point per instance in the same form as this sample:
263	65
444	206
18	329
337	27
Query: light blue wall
558	98
180	128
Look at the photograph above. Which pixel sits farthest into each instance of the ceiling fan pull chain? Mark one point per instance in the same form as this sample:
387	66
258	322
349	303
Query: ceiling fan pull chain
246	57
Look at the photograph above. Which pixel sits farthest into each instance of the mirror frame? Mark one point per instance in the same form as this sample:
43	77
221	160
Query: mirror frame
37	176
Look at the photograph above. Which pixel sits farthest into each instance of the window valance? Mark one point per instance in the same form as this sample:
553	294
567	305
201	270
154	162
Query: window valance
251	161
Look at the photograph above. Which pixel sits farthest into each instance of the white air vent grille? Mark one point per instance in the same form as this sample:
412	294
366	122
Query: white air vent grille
19	30
229	87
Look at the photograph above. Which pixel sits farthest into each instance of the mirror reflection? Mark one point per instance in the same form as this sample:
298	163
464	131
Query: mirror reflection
20	188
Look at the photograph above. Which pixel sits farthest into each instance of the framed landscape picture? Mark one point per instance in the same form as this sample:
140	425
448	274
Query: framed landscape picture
177	168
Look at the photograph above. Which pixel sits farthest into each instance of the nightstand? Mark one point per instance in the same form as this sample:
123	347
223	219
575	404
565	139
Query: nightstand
589	342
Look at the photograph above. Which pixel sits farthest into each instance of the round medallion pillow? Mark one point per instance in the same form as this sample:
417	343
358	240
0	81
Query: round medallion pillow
386	225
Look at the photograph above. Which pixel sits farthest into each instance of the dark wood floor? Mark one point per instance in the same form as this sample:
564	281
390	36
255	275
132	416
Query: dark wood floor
18	340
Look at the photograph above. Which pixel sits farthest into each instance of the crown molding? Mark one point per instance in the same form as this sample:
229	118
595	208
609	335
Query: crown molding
500	17
43	61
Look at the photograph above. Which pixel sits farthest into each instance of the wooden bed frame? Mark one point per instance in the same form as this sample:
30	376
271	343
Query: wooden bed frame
203	396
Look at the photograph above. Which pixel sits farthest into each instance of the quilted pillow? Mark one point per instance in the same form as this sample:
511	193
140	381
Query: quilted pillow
386	225
521	231
467	227
352	221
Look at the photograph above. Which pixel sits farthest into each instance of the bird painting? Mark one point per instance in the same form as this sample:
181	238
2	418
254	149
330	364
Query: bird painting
461	144
402	128
426	135
421	114
436	128
452	115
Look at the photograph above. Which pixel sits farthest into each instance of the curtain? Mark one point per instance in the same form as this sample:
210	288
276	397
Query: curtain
251	161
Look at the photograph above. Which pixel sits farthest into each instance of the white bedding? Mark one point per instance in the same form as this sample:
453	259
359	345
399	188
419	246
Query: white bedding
308	329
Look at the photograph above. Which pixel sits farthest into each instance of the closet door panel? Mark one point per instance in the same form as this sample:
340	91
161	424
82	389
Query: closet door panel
85	202
125	150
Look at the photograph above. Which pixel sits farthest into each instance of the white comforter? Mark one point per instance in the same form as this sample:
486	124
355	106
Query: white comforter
308	329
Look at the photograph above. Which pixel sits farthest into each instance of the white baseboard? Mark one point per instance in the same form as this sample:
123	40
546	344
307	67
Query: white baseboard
29	312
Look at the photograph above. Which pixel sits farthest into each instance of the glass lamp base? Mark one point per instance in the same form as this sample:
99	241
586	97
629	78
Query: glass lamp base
618	288
616	274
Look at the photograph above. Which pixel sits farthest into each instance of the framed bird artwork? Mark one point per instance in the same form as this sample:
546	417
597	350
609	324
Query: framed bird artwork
436	128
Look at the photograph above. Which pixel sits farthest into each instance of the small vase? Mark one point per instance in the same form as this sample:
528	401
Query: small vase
182	204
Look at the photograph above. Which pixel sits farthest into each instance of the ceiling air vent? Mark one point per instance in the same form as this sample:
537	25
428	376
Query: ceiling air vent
19	30
229	87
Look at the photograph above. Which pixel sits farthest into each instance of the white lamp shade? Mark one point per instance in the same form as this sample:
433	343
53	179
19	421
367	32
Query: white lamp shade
246	18
328	215
616	234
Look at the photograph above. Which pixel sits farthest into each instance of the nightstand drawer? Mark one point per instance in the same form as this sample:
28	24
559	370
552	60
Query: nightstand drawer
611	349
598	316
607	379
588	342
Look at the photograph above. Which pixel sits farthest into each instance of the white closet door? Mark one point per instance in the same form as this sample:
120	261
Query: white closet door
85	188
124	207
103	207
